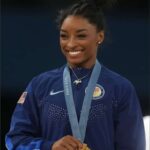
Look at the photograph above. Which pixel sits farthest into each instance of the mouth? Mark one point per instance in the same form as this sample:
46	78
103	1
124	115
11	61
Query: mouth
74	53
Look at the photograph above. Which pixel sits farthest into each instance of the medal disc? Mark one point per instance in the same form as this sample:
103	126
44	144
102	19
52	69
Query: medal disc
85	147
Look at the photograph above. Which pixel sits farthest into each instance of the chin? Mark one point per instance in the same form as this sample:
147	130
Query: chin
74	62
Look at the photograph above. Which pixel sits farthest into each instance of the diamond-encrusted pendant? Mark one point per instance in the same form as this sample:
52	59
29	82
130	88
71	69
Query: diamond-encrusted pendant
77	81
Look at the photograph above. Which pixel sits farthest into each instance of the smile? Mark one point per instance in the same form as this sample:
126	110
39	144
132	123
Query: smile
73	53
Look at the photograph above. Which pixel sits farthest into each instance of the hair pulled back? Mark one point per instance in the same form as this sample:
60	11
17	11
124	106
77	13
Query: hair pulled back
92	10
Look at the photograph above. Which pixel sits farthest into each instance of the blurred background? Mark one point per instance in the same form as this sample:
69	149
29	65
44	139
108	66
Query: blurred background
30	46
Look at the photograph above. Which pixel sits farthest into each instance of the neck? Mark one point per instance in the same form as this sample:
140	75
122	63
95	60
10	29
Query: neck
82	65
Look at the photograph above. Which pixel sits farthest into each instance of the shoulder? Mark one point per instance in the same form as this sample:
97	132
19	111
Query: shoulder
120	84
114	77
40	86
54	73
122	90
47	77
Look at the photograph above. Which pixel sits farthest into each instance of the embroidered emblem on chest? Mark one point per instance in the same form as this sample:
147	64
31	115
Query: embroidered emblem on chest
98	93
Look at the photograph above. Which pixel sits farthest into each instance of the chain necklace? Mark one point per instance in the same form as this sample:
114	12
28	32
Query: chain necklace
78	80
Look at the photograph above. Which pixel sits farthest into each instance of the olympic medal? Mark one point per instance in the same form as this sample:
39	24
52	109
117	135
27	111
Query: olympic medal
85	147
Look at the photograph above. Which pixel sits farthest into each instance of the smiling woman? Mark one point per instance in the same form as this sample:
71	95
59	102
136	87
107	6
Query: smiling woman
82	105
79	41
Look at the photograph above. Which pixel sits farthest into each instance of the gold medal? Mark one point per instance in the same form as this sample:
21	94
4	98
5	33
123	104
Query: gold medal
85	147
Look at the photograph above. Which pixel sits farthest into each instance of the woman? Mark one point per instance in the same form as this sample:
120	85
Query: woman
82	105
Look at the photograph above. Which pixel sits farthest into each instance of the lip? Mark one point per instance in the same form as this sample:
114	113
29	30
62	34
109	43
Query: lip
74	53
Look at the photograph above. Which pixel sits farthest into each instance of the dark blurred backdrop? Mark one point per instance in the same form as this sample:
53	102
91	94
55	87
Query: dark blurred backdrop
30	45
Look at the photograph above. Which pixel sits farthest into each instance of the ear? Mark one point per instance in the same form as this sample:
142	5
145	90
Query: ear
101	35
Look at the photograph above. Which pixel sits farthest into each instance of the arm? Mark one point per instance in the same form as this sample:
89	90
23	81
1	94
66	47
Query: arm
25	130
129	124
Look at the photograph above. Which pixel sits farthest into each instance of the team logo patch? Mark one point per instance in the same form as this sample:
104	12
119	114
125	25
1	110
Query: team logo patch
99	92
22	98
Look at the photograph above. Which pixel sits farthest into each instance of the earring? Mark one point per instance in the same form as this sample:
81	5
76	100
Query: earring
99	42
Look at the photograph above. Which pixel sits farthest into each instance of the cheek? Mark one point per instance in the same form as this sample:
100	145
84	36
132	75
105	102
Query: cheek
92	42
91	46
62	44
61	47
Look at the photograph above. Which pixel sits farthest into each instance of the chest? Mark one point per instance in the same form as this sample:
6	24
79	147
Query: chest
53	106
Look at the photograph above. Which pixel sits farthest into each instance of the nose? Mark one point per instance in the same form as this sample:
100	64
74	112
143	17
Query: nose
71	43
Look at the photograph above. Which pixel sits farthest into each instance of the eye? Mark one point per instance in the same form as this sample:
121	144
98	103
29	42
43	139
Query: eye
63	36
82	36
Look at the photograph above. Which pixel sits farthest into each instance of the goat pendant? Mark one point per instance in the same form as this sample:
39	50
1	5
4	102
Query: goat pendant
77	81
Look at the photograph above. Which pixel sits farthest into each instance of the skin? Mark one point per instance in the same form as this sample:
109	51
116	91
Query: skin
67	143
81	37
79	41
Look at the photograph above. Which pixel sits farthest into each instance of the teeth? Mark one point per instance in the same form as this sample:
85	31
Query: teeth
74	53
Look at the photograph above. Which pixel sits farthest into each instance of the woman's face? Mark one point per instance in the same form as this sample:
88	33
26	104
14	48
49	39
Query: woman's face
79	40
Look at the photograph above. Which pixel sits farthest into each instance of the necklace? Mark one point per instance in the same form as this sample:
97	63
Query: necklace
78	80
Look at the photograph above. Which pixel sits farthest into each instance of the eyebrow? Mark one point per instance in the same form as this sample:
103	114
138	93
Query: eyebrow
78	31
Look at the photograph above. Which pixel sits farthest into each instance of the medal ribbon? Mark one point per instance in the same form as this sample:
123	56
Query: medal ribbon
79	128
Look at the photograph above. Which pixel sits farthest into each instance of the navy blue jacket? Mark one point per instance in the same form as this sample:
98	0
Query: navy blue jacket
41	118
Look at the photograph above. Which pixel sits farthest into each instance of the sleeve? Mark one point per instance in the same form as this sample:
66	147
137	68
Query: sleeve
129	134
25	130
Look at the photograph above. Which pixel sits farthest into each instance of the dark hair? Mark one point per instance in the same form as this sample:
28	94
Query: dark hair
92	10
